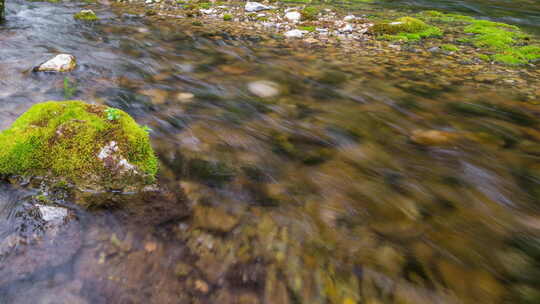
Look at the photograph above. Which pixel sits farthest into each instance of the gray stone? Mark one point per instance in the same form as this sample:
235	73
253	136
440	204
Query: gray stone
256	6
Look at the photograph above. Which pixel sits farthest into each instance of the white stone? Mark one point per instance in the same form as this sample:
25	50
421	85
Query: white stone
59	63
207	11
347	28
184	96
52	214
295	34
349	18
148	1
256	6
261	15
293	16
264	88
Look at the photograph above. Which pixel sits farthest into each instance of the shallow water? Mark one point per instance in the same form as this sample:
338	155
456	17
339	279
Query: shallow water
318	195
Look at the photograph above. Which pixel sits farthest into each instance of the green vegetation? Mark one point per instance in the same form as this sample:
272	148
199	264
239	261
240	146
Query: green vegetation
307	28
63	140
112	114
205	5
227	17
310	13
86	15
449	48
70	88
505	43
405	29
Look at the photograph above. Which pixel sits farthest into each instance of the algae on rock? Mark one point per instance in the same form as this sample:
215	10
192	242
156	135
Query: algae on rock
76	142
405	28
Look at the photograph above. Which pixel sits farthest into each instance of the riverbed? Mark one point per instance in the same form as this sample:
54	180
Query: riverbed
365	172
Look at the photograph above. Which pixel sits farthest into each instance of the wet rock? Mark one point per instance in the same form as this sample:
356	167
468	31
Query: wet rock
255	7
42	237
293	16
264	88
59	63
295	34
86	15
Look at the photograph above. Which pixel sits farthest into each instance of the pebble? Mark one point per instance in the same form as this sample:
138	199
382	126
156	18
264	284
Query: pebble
59	63
184	96
349	18
295	34
255	7
263	88
293	16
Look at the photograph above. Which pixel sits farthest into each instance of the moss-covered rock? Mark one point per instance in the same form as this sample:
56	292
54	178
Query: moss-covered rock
503	43
91	146
86	15
406	29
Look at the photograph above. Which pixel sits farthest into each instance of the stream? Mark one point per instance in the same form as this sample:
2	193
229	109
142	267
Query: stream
331	190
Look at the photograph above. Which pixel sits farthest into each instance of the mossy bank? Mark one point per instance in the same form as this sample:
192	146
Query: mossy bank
91	146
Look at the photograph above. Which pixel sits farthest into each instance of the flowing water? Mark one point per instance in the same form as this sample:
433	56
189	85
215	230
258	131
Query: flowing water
330	192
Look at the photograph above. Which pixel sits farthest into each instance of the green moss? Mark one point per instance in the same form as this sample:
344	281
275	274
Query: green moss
310	13
307	28
484	57
63	139
506	43
205	5
86	15
227	17
449	48
405	29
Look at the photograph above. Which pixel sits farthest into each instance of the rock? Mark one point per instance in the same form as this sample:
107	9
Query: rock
213	219
255	7
293	16
42	237
349	18
52	214
59	63
433	137
264	88
90	146
184	96
295	34
87	15
347	28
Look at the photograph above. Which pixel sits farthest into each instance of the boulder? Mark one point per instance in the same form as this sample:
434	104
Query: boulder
90	146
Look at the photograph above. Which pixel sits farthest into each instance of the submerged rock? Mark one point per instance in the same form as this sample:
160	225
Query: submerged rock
264	88
91	146
40	237
59	63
